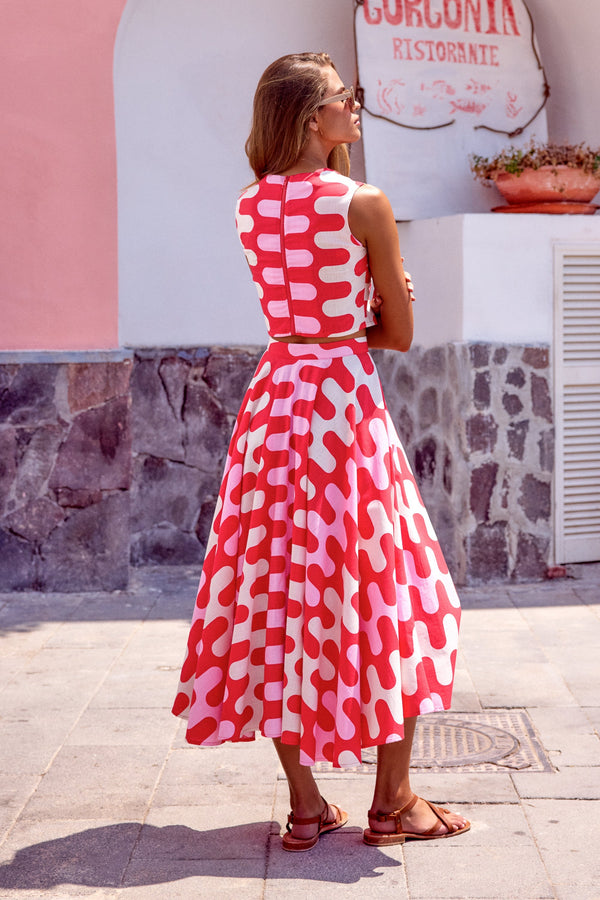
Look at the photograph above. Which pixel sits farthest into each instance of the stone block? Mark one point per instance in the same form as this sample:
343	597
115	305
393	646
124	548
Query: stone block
29	400
433	362
500	356
516	434
36	520
90	550
77	498
205	519
90	384
481	390
448	410
7	373
18	570
97	451
512	404
541	402
532	557
405	426
425	460
479	355
8	463
535	498
538	357
38	456
207	427
404	382
228	373
164	544
482	433
516	377
483	481
546	448
487	552
164	491
155	428
173	372
428	408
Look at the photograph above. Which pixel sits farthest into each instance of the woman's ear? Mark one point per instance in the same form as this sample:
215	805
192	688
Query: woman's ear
313	123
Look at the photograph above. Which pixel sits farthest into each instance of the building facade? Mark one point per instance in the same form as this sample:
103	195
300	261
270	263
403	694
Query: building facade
130	328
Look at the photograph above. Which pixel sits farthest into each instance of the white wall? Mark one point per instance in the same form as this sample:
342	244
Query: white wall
568	34
488	277
185	73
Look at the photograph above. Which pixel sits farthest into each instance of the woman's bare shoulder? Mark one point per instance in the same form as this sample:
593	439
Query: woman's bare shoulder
369	208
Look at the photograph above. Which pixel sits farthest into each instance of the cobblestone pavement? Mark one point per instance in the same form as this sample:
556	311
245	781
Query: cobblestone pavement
102	798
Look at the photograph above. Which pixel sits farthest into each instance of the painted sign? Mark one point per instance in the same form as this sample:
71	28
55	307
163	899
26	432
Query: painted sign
442	79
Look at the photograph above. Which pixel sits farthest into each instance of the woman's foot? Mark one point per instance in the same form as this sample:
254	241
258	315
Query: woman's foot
303	832
418	819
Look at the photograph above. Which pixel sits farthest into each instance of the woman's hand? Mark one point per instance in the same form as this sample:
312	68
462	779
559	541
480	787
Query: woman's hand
372	222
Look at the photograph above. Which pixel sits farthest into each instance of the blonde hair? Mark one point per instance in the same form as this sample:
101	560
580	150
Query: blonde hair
289	92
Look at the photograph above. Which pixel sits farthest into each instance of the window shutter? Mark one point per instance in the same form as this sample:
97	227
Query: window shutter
577	402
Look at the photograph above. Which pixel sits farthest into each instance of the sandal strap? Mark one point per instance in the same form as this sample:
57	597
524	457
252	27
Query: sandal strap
312	820
439	812
396	815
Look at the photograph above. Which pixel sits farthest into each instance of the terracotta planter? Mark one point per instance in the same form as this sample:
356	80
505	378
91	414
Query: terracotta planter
549	184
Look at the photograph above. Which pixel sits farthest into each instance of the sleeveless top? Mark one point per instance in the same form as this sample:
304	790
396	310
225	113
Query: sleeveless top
310	272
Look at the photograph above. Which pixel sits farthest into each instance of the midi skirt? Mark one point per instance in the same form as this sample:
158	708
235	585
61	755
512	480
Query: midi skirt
325	612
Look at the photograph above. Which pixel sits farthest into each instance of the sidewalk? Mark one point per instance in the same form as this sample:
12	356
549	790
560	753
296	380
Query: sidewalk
102	798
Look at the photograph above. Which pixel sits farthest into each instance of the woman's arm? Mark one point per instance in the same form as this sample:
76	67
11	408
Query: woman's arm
372	222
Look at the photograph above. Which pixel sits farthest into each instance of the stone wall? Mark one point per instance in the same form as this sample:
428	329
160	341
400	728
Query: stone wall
117	458
477	424
184	407
65	471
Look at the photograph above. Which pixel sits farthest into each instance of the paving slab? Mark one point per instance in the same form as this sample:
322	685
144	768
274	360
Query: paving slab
15	790
517	686
45	855
220	826
127	726
97	781
567	735
341	865
58	679
449	787
592	714
191	879
29	742
192	769
445	870
570	783
563	831
88	635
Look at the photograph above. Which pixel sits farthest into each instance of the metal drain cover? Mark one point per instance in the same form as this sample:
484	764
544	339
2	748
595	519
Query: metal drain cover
492	741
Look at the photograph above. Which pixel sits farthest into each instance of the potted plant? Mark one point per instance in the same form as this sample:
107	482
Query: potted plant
552	178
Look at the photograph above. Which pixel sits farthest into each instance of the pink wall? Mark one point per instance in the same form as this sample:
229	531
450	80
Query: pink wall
58	188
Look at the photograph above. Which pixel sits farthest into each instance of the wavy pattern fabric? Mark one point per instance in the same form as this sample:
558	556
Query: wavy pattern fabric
325	613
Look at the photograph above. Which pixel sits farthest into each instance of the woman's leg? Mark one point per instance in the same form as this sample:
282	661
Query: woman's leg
305	799
393	789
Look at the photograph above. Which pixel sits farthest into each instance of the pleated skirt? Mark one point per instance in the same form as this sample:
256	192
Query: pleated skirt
325	612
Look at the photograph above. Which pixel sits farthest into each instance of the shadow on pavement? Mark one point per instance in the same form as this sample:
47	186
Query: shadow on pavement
130	854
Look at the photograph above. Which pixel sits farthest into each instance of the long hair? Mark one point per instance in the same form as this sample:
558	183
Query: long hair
288	94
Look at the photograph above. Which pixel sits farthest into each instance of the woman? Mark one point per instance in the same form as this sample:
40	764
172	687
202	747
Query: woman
326	618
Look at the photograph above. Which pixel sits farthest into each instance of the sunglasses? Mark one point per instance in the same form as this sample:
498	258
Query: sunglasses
347	97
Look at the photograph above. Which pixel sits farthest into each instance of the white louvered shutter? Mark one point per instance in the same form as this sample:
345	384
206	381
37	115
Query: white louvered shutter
577	402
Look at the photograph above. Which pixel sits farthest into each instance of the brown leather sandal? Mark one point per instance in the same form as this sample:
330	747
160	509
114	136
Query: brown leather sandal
400	835
289	842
